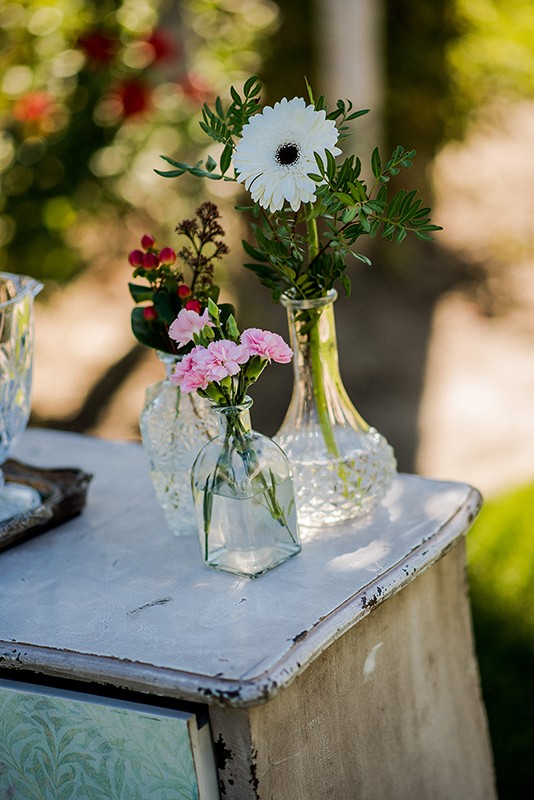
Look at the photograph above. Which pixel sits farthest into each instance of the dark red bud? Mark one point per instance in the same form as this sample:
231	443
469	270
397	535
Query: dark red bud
167	256
150	313
136	258
148	241
150	261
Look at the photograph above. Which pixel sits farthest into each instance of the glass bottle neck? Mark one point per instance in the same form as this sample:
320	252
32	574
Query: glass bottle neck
169	361
318	391
313	338
234	420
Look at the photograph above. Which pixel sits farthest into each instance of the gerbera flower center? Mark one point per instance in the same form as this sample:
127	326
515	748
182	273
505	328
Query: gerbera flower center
288	154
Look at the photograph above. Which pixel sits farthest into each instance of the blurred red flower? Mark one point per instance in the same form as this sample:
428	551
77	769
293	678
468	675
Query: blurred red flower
196	89
163	45
134	96
99	47
35	107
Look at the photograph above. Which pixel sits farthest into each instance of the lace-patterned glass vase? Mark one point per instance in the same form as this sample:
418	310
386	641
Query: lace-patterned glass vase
174	428
341	466
16	367
244	498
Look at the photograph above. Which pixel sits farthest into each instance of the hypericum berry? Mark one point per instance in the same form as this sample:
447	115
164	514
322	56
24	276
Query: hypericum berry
184	291
147	241
167	256
150	313
136	258
150	260
193	305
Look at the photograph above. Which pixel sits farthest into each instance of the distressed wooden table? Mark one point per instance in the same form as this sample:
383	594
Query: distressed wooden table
347	672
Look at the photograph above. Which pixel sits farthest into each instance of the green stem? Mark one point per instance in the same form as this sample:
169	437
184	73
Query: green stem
313	238
315	350
319	390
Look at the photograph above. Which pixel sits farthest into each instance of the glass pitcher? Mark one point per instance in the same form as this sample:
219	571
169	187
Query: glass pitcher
16	352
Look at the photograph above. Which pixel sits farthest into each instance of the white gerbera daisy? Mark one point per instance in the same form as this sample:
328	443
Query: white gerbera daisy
274	156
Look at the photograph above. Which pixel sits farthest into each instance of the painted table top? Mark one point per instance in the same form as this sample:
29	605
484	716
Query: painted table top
113	596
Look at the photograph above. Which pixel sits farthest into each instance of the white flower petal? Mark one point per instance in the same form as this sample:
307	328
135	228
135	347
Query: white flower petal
276	153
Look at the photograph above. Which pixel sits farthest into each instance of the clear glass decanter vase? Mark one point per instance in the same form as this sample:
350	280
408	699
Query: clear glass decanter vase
341	466
244	498
174	428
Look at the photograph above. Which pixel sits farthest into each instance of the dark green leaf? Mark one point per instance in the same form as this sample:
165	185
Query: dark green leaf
225	310
358	114
349	214
376	163
320	163
172	162
357	190
211	164
140	293
252	86
361	257
346	199
375	227
151	334
172	173
226	158
253	252
330	165
164	307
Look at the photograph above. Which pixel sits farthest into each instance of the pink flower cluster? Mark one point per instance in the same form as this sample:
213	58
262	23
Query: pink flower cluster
267	345
188	323
221	358
211	364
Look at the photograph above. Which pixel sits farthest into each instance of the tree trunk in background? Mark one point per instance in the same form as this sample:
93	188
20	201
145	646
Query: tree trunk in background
350	55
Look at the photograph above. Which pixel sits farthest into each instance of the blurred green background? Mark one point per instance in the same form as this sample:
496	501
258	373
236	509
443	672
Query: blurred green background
92	93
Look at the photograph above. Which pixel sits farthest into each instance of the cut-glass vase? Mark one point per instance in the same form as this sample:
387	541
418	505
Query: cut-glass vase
342	467
16	367
244	498
174	427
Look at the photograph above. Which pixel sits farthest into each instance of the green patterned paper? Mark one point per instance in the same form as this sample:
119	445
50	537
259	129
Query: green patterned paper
65	747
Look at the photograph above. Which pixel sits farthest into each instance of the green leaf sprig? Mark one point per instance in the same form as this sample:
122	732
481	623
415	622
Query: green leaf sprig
307	252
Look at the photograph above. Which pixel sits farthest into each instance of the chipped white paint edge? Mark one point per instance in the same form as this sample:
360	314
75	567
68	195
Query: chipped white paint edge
258	689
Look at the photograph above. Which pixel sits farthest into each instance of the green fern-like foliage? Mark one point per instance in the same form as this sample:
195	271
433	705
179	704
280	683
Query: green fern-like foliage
345	207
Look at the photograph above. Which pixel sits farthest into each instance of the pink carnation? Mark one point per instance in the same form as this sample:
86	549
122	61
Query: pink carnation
223	358
266	345
186	324
188	374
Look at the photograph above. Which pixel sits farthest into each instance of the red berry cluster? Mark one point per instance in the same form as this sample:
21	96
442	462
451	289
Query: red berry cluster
175	280
151	258
155	265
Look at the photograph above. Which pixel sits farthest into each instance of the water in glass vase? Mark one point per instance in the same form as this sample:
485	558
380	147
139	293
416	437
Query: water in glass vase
243	536
244	498
343	467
